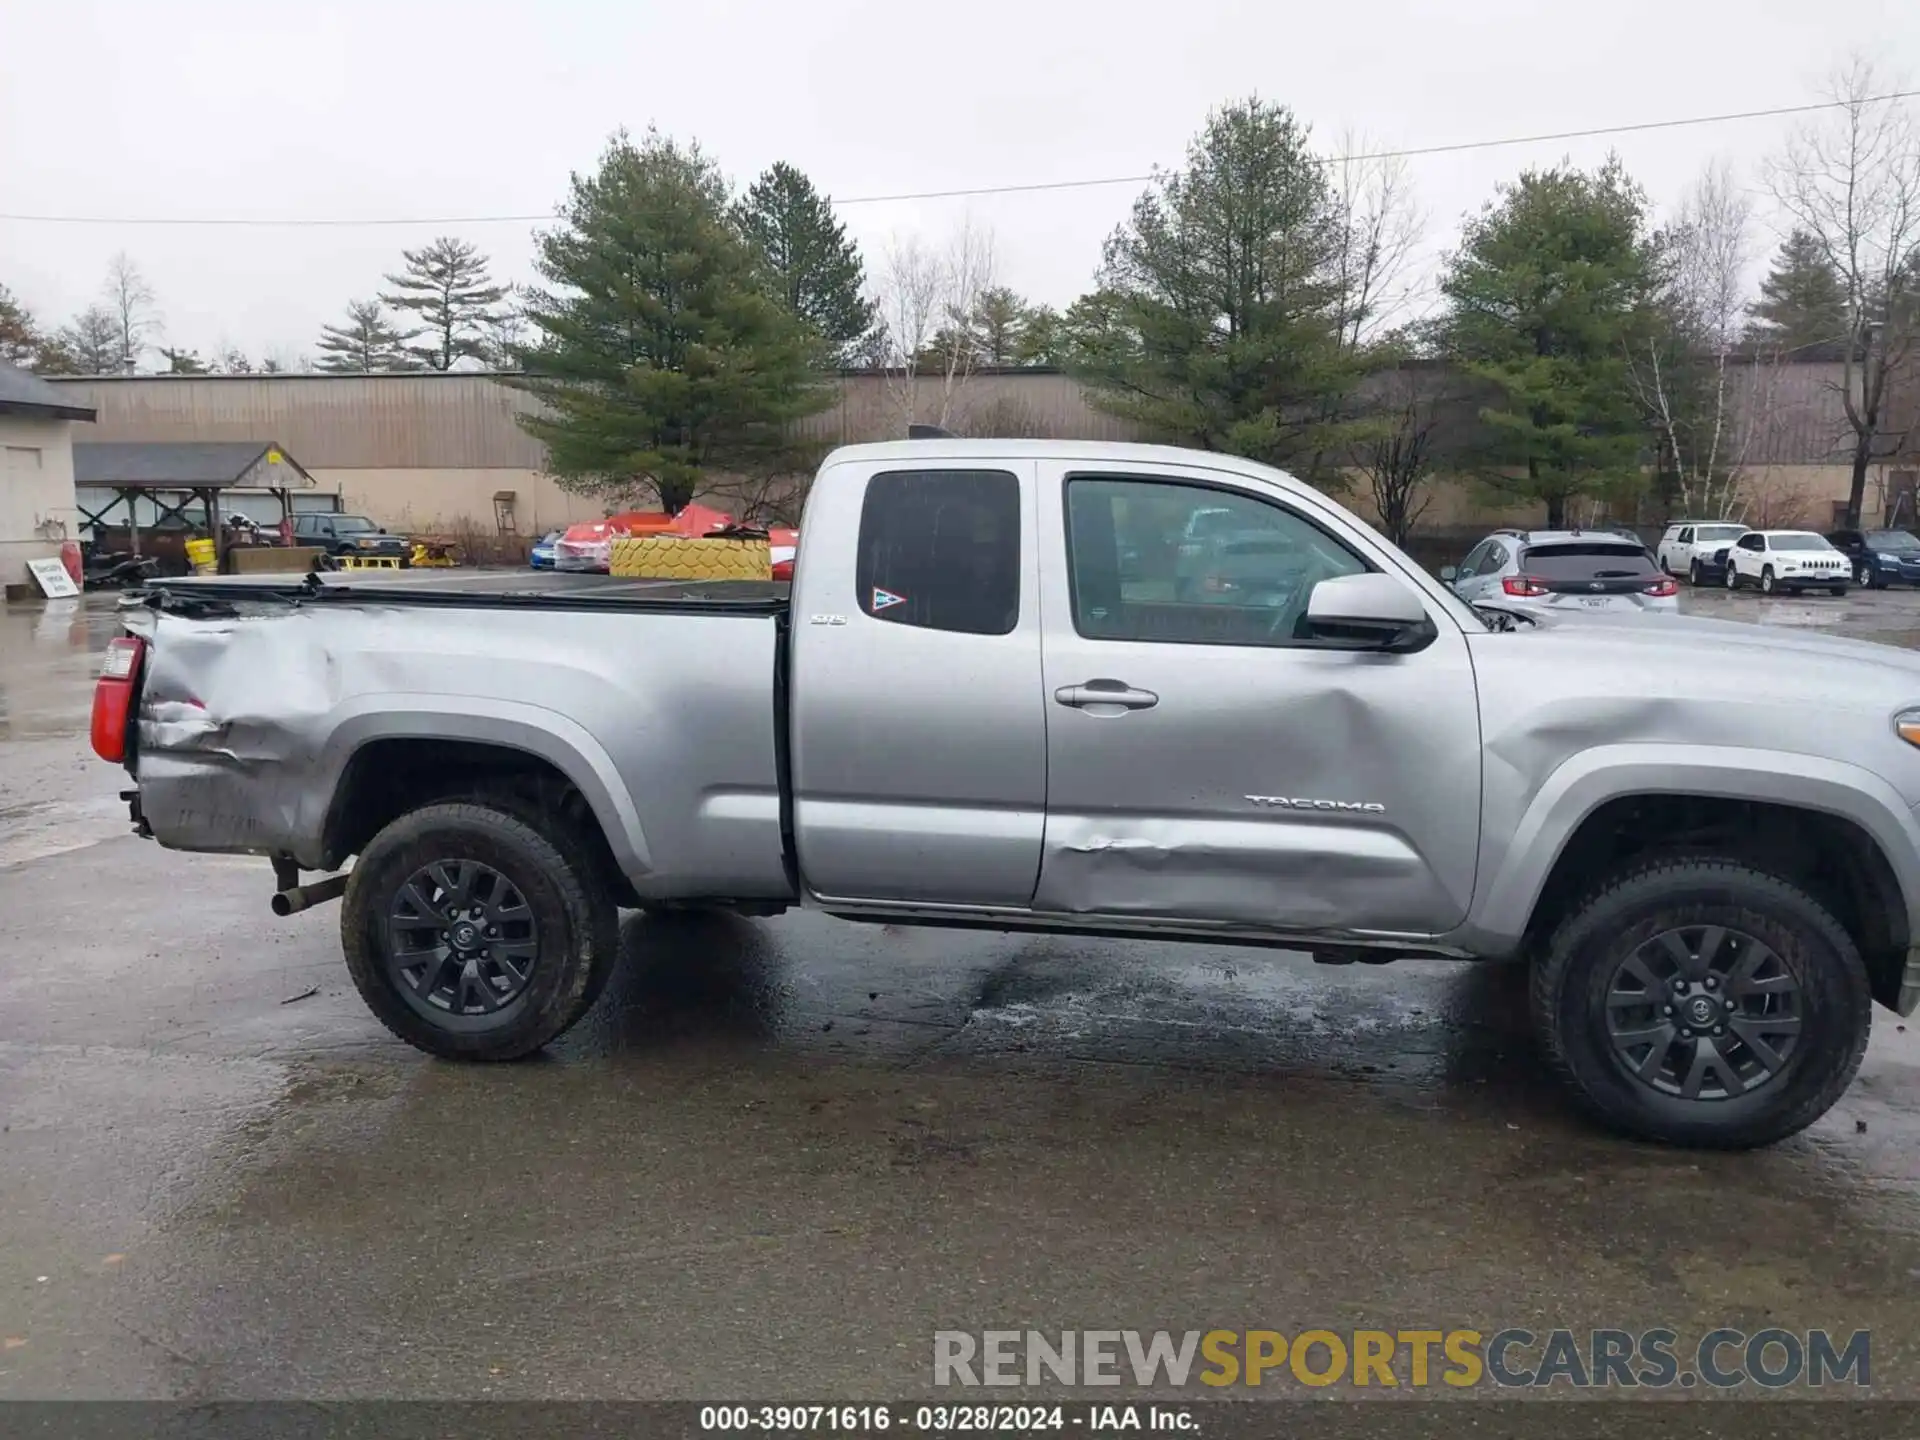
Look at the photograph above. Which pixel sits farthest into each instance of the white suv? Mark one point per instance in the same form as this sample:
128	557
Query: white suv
1692	547
1790	560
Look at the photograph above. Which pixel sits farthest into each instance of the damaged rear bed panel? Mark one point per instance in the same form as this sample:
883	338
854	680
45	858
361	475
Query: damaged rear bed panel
660	711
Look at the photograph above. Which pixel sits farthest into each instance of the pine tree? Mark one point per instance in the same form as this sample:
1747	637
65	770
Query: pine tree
365	344
1042	341
1553	284
447	287
182	362
998	325
94	342
19	335
1218	318
660	358
815	270
1802	307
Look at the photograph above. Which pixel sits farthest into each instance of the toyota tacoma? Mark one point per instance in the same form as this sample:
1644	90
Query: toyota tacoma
994	696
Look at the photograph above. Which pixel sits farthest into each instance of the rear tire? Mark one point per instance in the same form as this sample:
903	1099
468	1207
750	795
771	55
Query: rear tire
1787	991
466	871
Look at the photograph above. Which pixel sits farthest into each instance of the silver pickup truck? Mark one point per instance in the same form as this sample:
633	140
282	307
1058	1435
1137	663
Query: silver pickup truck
1016	686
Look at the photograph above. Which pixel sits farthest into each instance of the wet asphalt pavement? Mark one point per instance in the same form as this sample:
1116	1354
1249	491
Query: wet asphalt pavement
781	1153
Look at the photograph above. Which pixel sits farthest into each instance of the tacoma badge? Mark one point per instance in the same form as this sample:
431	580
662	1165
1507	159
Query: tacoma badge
1283	802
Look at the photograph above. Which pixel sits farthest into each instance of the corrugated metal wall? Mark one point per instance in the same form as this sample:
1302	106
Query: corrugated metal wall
461	422
405	422
326	422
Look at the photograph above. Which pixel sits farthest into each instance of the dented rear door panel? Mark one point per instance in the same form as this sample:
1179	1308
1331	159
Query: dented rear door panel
1295	790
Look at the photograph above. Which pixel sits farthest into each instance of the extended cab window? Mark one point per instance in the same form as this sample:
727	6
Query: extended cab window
940	549
1183	564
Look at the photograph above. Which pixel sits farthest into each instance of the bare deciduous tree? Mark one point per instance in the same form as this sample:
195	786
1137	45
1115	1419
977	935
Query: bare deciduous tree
1851	179
925	299
1704	413
1400	450
130	300
1381	225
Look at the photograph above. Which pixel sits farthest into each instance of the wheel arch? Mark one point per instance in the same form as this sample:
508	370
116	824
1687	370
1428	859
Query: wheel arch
378	763
1835	829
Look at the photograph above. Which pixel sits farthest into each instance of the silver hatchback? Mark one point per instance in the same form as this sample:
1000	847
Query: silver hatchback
1563	572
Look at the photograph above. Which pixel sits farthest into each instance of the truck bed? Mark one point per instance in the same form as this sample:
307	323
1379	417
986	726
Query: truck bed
265	698
536	589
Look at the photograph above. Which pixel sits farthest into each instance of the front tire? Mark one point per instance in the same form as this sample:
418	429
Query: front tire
475	935
1767	584
1693	573
1732	577
1698	1001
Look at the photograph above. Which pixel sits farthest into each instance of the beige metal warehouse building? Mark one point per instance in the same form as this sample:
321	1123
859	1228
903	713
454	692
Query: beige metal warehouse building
442	452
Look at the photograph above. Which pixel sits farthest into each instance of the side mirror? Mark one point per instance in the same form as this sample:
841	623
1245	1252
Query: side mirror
1370	612
1449	573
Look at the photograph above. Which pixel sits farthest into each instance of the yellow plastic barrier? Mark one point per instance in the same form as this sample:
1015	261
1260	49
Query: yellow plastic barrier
681	557
202	556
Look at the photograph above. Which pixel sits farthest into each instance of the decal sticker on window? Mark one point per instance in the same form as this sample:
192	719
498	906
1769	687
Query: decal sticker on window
882	599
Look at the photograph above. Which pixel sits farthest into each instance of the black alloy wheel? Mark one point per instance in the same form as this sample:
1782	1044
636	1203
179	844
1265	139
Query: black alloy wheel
1704	1013
461	939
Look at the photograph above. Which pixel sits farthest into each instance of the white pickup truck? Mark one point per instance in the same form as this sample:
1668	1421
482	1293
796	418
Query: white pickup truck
1018	685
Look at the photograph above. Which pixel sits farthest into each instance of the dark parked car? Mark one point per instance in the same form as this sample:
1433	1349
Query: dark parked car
350	535
1880	557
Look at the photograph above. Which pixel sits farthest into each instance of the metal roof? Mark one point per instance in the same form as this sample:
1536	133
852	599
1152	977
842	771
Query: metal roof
24	393
178	465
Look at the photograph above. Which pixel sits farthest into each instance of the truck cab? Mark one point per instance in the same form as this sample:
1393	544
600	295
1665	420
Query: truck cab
1107	745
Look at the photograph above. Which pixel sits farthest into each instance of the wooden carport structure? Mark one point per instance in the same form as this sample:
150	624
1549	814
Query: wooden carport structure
173	476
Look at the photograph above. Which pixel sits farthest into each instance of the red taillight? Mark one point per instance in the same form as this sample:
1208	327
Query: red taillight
1662	587
1522	585
113	697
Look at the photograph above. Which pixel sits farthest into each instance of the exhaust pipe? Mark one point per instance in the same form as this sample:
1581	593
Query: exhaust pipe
304	897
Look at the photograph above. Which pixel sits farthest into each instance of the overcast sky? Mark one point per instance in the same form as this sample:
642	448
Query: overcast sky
345	109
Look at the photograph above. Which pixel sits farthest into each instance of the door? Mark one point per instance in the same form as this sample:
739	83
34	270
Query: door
1677	554
1469	568
917	731
1205	763
1488	574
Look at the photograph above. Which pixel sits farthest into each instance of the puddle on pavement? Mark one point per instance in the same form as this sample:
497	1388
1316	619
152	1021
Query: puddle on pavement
55	795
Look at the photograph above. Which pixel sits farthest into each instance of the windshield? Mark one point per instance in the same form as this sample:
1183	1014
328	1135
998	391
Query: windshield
1892	540
1586	560
1796	540
1718	532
